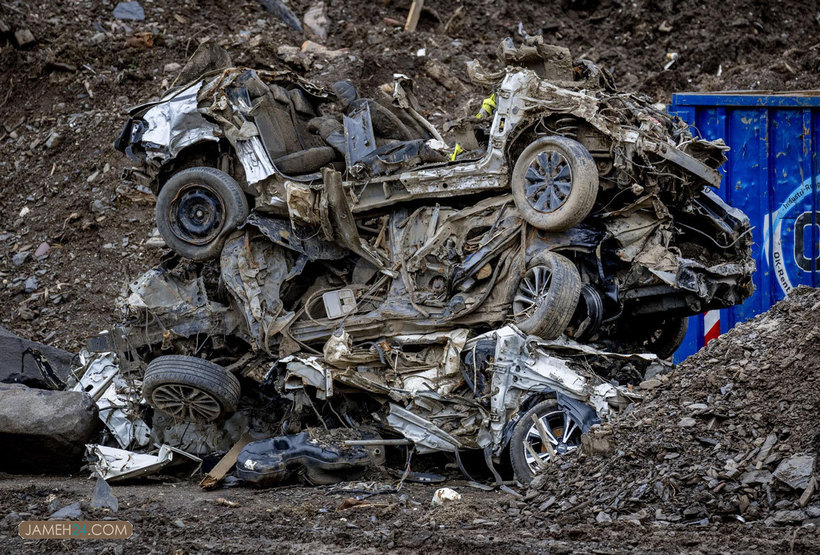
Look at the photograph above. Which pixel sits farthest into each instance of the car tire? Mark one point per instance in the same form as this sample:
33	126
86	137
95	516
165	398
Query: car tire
668	336
190	389
555	183
557	421
589	315
197	208
546	296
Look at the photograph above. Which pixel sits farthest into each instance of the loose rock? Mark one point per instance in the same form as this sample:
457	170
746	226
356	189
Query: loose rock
19	258
129	11
54	140
31	285
103	497
787	517
42	249
795	471
73	511
316	21
24	38
44	430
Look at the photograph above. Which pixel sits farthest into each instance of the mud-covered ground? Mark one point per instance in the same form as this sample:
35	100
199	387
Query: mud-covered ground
709	440
692	468
178	517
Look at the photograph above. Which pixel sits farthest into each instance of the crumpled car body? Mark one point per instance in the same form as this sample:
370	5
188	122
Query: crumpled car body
450	394
373	257
437	392
657	241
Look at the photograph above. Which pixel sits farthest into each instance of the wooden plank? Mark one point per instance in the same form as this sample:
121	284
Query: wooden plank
218	472
542	465
413	16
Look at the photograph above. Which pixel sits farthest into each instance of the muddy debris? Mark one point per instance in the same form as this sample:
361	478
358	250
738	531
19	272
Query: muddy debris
338	261
751	455
88	38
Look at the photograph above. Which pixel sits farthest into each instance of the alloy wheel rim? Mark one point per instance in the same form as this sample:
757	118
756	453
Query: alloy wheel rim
186	403
548	181
531	290
563	433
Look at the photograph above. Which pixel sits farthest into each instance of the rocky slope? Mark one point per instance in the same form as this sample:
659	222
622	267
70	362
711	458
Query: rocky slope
730	434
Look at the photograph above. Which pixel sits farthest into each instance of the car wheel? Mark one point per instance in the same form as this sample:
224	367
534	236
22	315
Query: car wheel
563	432
197	208
666	335
546	296
190	388
555	183
589	315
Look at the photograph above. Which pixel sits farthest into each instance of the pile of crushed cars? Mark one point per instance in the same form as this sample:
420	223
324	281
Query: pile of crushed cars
344	281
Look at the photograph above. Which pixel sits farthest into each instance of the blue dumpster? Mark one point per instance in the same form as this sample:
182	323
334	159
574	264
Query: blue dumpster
772	174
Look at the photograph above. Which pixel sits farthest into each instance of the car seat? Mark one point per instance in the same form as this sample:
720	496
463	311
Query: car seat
282	117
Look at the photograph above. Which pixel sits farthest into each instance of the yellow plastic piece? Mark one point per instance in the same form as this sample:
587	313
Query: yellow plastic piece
456	151
488	106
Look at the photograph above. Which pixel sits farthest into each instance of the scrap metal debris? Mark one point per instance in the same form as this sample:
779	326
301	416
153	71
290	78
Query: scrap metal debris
346	280
343	260
113	464
116	398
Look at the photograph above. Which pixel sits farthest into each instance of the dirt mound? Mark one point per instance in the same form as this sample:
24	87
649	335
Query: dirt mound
730	434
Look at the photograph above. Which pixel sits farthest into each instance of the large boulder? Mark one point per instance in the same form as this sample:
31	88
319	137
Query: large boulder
31	363
44	431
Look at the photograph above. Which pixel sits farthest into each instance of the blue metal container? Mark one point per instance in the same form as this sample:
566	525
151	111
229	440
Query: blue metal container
772	174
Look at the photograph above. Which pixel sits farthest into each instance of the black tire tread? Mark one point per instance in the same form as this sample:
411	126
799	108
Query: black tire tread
672	335
236	208
553	315
195	372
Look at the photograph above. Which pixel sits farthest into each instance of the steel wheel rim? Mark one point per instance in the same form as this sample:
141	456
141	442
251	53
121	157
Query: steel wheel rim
563	433
183	402
548	181
533	287
197	214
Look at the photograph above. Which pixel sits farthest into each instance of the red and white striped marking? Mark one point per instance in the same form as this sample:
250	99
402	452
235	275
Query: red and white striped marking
711	326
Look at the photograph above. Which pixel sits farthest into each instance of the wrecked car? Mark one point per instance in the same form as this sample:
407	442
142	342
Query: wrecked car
518	400
329	247
615	190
